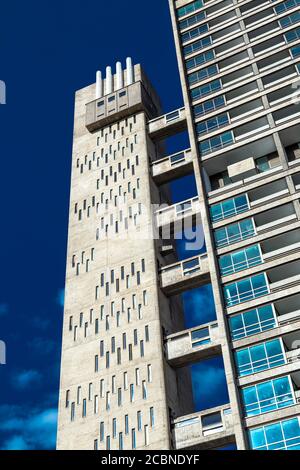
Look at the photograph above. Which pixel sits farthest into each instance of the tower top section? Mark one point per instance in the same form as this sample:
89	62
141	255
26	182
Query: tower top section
121	94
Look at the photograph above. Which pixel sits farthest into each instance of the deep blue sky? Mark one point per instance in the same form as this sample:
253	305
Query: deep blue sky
48	50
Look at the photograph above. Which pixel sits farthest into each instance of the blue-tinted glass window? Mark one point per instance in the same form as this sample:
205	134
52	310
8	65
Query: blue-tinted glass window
282	7
260	357
216	143
202	74
193	20
246	289
234	233
268	396
229	208
252	322
197	45
284	435
189	8
207	89
239	260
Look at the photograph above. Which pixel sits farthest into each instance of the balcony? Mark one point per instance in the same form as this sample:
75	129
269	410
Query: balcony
185	212
184	275
280	246
240	166
268	192
172	167
284	277
288	310
195	344
168	124
206	430
275	218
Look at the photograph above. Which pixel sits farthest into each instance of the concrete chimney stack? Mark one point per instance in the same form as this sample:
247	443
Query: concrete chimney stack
119	73
99	91
108	81
129	70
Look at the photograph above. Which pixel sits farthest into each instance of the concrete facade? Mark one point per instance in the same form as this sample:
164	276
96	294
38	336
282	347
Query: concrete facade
239	71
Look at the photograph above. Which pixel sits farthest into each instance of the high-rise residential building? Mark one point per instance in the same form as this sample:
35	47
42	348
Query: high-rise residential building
125	378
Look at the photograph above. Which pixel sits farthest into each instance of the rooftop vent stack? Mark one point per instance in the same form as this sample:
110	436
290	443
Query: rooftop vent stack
119	73
129	69
98	85
109	81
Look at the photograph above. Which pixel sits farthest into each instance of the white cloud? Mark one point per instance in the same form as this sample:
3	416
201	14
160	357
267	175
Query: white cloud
28	429
25	378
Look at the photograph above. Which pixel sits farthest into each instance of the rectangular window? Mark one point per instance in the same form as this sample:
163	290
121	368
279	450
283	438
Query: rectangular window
96	404
67	398
114	428
126	424
212	124
240	260
131	393
125	377
268	396
139	420
147	334
234	233
101	431
229	208
84	408
107	360
142	348
119	397
72	411
133	439
96	363
107	401
216	143
252	322
146	434
283	435
149	373
246	289
204	90
137	376
190	8
144	387
260	357
152	419
121	446
199	76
